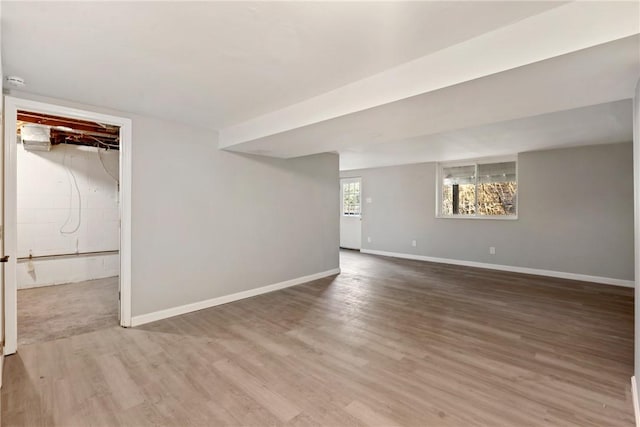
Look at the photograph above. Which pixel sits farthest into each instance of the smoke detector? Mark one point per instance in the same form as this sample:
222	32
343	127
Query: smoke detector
15	81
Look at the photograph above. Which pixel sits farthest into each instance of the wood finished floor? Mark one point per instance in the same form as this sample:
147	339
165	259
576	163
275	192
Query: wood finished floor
53	312
387	342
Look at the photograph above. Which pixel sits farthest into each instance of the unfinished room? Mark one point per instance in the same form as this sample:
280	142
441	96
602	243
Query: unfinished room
320	213
67	243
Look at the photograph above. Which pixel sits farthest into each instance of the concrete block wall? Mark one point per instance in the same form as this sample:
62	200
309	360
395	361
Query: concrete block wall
55	217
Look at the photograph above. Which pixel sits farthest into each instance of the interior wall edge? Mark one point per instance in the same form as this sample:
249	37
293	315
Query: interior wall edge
634	397
201	305
636	219
510	268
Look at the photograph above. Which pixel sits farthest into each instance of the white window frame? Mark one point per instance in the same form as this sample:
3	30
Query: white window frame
472	162
342	182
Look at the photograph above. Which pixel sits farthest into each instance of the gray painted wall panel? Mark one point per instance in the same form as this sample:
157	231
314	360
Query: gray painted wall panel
575	214
209	223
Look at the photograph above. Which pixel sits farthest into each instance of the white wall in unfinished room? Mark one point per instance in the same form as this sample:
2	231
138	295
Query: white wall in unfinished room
49	211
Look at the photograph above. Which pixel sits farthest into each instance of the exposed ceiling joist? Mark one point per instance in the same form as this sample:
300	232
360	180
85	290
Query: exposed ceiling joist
66	130
76	124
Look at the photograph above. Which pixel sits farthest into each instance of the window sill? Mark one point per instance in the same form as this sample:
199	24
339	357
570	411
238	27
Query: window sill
483	217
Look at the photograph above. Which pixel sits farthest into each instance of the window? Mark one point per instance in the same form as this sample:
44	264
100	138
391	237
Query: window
477	190
351	197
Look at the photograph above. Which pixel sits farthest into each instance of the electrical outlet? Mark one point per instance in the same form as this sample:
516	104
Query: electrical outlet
414	243
492	250
369	239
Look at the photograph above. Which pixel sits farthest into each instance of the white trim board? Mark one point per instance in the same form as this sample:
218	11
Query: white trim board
634	396
201	305
513	269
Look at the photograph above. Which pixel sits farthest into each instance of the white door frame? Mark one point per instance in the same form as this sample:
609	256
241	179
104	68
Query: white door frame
349	218
11	107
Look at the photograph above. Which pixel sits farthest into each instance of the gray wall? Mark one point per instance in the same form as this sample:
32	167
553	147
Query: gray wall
208	223
575	214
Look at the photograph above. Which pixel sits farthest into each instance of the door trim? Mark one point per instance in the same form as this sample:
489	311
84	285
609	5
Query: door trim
11	107
343	217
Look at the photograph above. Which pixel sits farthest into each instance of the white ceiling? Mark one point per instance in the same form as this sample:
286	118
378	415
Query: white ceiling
381	83
218	63
599	124
597	75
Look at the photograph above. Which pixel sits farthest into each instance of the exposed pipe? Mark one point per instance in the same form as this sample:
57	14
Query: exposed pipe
30	257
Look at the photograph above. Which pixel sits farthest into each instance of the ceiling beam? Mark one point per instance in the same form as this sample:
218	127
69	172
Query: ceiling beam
601	74
551	34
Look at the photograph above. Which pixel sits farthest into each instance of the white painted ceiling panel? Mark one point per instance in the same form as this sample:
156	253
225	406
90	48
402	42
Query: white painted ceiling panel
601	74
214	64
381	83
598	124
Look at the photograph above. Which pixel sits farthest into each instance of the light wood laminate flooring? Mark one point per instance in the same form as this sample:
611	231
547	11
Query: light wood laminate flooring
386	342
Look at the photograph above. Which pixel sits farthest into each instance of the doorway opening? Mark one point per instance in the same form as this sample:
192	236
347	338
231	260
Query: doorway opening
68	252
351	213
67	185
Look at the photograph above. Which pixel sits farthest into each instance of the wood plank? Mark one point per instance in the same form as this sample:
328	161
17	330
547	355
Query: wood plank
387	342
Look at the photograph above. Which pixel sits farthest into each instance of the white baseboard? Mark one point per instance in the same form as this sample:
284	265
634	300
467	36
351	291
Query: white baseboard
525	270
200	305
634	396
